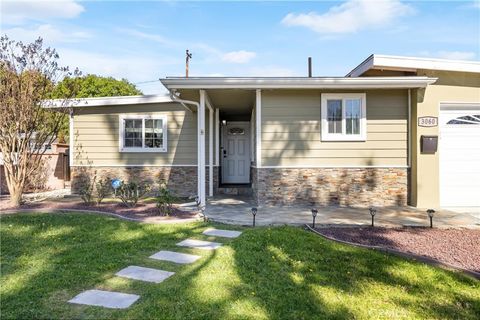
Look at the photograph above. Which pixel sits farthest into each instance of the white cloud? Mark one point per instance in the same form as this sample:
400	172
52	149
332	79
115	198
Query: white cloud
451	55
241	56
350	16
148	36
19	11
49	33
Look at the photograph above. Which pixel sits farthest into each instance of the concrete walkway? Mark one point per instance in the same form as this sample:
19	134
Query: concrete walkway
119	300
237	210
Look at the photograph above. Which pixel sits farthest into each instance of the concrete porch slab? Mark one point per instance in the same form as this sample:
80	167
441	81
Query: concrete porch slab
237	210
107	299
144	274
222	233
199	244
182	258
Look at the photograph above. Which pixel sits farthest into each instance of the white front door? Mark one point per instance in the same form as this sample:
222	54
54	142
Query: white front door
459	152
236	152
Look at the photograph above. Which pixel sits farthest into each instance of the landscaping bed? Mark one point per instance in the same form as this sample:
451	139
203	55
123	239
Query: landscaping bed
457	247
143	210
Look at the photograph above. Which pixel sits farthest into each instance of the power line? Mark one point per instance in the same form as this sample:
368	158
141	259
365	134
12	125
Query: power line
142	82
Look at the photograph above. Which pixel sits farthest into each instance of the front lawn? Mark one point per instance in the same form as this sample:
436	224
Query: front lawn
282	272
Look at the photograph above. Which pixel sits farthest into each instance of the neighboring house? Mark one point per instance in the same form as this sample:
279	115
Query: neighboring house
55	174
354	140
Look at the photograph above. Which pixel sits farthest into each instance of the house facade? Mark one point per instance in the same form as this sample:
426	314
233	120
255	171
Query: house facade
394	131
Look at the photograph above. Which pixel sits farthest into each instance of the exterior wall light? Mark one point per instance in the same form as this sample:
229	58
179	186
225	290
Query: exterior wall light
430	213
373	212
254	213
314	216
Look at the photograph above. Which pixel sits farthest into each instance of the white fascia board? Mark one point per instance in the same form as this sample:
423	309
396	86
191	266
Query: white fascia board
107	101
298	83
412	64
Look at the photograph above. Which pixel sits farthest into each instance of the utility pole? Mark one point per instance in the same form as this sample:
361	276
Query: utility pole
187	60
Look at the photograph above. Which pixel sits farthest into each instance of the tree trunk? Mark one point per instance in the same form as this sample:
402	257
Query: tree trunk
15	195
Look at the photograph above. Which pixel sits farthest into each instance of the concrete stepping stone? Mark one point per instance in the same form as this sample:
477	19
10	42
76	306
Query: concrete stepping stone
199	244
144	274
107	299
222	233
176	257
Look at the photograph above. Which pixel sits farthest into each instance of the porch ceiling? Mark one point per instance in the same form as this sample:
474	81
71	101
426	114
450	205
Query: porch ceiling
233	103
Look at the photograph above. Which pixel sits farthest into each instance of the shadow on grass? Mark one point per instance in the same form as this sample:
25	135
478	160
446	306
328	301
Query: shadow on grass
265	273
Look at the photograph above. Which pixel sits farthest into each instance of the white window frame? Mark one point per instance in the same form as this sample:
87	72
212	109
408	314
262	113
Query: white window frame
326	136
143	117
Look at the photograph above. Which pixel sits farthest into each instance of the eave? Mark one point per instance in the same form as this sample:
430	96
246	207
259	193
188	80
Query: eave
296	83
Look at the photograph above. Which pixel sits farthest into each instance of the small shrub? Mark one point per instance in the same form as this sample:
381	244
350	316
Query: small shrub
165	201
86	190
131	192
102	189
94	190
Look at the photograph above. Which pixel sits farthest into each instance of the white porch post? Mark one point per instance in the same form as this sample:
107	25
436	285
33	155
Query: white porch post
210	152
217	137
201	149
258	127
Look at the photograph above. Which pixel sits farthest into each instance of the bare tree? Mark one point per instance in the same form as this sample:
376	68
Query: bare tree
28	73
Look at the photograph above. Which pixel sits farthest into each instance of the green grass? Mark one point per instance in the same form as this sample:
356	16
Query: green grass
266	273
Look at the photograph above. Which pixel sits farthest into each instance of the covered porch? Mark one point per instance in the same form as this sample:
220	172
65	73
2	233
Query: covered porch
226	138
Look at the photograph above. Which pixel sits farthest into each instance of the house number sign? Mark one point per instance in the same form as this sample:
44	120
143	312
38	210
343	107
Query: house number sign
427	121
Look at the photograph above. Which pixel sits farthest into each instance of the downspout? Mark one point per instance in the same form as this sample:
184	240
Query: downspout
183	102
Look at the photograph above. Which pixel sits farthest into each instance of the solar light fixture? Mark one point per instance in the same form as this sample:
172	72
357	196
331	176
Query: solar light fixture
373	212
430	213
197	200
314	216
254	213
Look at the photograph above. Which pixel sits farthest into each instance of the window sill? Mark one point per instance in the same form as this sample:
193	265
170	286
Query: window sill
344	139
143	150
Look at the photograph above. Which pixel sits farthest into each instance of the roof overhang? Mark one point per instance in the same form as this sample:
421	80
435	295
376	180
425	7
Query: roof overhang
106	101
296	83
399	63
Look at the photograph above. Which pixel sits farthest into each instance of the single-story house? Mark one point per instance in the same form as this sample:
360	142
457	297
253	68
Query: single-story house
393	131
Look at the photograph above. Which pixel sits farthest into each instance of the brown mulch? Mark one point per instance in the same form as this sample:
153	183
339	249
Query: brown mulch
457	247
140	211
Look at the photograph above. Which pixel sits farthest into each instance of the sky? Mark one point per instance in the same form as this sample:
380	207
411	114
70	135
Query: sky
143	41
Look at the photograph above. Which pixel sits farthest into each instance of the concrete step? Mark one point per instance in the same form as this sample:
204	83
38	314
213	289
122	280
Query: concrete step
236	191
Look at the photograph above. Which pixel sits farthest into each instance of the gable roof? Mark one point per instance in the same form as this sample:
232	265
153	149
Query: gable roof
400	63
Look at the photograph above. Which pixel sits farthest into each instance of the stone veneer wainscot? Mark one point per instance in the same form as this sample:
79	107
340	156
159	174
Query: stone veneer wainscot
361	187
182	180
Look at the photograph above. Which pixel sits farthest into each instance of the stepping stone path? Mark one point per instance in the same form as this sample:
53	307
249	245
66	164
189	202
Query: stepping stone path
199	244
144	274
222	233
118	300
182	258
107	299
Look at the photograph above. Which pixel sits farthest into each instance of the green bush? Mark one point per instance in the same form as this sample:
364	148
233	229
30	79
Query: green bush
131	192
102	189
165	200
93	192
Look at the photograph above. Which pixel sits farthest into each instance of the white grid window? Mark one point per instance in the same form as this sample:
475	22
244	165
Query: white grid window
142	133
344	117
